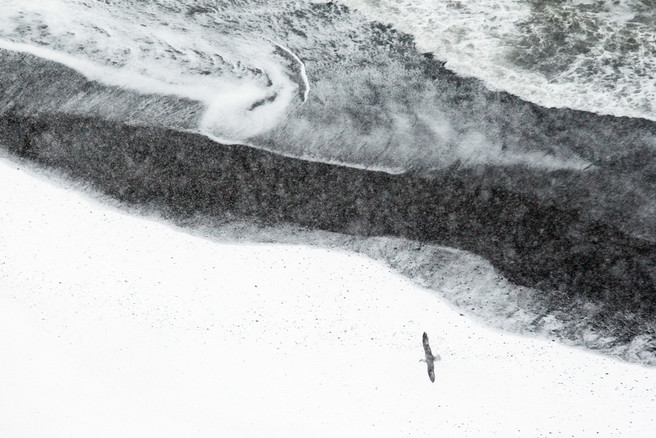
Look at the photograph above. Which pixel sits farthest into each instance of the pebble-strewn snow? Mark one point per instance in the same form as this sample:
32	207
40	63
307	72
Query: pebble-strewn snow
119	326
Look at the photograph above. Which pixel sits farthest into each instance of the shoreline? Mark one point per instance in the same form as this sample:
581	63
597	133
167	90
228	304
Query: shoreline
125	326
577	238
530	242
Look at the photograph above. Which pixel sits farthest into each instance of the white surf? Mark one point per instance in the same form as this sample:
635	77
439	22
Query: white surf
599	55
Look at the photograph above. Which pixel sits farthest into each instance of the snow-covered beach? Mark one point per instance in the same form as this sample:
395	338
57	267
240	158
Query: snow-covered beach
116	325
237	218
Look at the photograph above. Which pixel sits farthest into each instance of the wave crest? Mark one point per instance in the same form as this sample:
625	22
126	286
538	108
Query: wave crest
246	83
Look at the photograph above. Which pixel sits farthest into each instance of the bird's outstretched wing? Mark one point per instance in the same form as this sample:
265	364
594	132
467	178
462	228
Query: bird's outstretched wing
427	349
431	370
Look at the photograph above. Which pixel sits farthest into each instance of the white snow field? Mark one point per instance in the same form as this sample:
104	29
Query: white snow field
115	325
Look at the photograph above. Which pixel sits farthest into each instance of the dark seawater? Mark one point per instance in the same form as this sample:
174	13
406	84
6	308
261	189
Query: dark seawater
317	115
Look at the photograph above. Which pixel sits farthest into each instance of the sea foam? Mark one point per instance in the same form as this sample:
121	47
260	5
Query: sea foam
246	83
594	57
246	74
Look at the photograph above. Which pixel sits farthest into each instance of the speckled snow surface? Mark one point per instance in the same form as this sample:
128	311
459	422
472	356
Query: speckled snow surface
119	326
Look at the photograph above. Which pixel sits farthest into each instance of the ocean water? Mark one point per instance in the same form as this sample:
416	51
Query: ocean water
347	82
245	83
593	55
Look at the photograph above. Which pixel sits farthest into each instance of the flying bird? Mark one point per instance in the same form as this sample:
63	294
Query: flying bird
430	359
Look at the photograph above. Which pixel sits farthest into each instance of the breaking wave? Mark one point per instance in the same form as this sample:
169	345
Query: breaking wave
240	76
597	56
246	84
